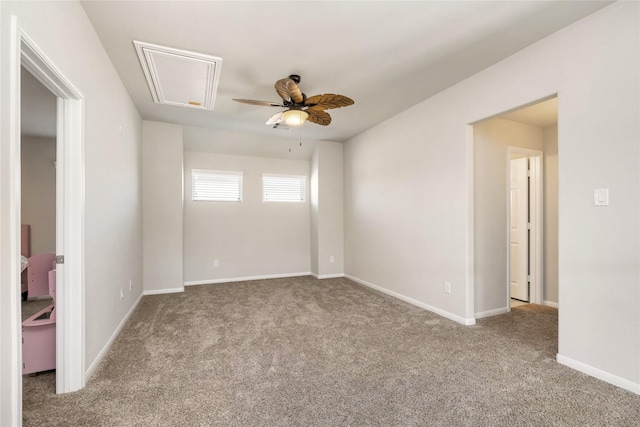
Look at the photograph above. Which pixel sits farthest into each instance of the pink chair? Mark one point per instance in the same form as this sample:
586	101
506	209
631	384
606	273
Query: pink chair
39	336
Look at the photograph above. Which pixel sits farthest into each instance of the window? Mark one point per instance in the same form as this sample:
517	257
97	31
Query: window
219	186
283	188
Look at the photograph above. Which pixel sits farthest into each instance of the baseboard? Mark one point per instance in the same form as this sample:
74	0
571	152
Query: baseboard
107	346
493	312
415	302
551	304
599	374
163	291
327	276
244	279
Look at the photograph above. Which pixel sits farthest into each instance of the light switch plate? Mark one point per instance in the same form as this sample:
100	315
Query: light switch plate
601	197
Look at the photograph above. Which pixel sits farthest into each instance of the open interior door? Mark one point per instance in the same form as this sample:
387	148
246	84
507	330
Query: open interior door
518	233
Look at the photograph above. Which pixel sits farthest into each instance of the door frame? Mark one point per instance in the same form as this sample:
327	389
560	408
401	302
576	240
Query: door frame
536	243
70	202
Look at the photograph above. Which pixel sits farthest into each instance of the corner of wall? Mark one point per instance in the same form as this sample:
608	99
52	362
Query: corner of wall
327	210
162	183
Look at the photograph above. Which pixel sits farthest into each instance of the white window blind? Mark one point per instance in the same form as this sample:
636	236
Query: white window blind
283	188
220	186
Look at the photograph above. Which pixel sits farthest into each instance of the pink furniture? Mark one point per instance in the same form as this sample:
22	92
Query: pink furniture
38	269
34	279
39	336
25	251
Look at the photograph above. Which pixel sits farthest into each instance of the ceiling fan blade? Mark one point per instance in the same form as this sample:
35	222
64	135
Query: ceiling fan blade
256	102
289	90
328	101
318	116
281	88
276	118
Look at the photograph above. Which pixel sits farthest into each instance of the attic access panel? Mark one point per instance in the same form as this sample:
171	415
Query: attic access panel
179	77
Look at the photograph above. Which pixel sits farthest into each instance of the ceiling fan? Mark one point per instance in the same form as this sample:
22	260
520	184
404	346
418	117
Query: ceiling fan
299	108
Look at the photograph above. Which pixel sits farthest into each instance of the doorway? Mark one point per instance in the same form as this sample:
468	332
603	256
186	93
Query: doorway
528	132
38	151
70	360
525	225
23	52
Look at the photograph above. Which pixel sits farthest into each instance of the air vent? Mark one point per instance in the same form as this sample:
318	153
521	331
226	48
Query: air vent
178	77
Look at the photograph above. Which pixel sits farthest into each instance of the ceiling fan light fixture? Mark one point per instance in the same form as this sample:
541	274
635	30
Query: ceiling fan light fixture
295	117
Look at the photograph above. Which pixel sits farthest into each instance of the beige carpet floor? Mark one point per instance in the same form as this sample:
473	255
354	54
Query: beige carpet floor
304	352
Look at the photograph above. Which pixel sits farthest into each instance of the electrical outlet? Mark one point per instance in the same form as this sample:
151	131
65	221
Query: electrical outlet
447	287
121	293
130	284
332	259
216	264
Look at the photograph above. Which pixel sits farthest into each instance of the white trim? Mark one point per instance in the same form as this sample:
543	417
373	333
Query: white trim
536	241
164	291
11	390
415	302
551	304
537	224
244	279
494	312
327	276
70	341
599	374
109	343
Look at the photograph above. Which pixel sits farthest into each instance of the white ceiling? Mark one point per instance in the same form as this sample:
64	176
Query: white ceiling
386	55
541	114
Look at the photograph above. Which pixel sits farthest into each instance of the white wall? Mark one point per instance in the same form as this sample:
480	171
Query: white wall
327	228
39	192
492	139
113	208
406	207
407	186
249	238
162	195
